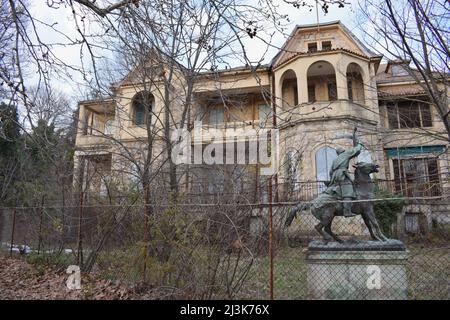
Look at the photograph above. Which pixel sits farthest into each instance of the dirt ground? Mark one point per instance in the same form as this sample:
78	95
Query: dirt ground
21	280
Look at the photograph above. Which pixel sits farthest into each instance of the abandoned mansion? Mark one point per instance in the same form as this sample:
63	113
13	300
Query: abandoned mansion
322	83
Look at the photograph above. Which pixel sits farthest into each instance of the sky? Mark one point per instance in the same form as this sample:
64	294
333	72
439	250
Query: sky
71	54
302	16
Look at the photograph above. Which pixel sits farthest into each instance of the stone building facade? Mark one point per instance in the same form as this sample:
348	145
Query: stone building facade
321	84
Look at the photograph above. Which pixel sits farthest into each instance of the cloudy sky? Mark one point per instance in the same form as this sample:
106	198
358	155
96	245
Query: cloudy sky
71	54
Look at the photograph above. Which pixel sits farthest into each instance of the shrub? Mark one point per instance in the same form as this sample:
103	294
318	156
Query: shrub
386	211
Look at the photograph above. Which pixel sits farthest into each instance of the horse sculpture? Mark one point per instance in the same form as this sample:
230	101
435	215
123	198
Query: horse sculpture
325	206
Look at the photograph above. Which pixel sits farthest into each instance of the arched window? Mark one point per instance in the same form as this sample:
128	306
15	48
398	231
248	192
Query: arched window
289	92
321	79
142	104
355	83
324	160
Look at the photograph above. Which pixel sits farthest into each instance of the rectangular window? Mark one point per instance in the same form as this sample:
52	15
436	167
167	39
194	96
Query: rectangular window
425	112
139	115
265	115
417	177
392	115
326	45
409	114
216	115
332	91
312	47
311	93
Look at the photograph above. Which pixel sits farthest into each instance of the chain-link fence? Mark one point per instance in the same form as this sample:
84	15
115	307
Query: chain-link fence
237	250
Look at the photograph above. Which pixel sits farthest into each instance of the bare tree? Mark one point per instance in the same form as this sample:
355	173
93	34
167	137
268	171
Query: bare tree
417	33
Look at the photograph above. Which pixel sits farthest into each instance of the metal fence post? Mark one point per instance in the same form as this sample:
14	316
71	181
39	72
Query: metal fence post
41	220
12	232
270	240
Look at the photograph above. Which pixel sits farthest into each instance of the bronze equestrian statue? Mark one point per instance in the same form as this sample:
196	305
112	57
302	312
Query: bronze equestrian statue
342	195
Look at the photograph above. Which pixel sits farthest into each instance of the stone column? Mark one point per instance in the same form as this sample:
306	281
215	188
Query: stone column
278	93
341	84
302	86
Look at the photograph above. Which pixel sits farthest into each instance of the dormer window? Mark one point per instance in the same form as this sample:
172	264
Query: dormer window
326	45
312	47
399	70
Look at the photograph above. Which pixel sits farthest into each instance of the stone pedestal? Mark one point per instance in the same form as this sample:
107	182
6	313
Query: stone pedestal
365	270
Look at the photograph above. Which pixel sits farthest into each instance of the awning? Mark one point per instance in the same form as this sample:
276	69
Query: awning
411	151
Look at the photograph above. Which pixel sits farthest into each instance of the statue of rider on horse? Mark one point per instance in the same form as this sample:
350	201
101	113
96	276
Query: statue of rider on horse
342	195
341	184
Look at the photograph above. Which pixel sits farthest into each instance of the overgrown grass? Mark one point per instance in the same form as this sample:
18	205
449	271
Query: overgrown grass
428	272
289	276
427	269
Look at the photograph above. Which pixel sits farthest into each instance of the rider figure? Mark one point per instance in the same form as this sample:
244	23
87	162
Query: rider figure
341	184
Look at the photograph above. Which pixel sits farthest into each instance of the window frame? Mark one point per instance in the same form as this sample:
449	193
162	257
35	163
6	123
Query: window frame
312	93
215	109
135	112
393	115
312	44
147	114
327	42
268	115
432	185
334	85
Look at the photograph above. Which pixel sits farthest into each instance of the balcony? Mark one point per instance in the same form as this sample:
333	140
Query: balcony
320	110
96	123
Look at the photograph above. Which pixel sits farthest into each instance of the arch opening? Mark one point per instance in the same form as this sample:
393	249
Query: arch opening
355	83
289	90
321	79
